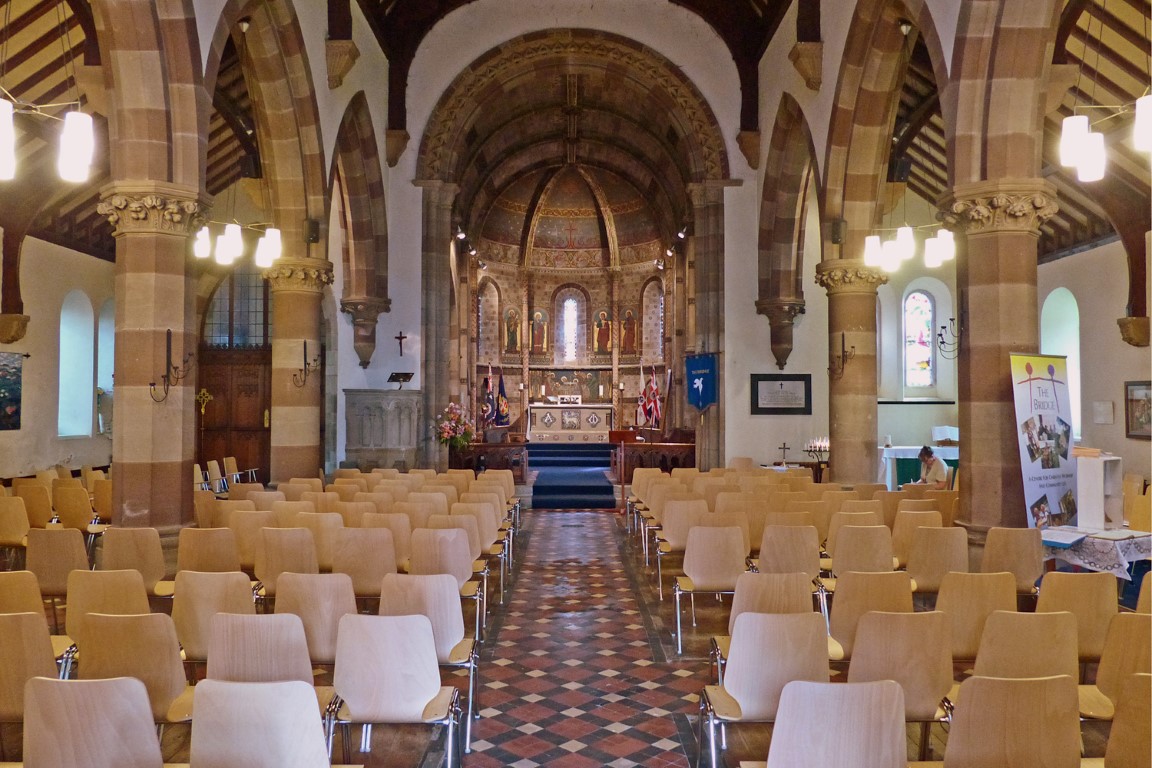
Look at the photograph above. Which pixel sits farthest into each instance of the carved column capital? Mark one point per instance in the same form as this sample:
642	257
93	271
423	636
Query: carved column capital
848	276
709	192
1007	205
307	275
438	193
152	207
780	310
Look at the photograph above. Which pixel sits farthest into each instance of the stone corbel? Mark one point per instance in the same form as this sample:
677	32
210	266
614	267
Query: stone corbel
340	56
364	311
13	328
1134	330
781	315
395	142
808	59
749	143
1061	77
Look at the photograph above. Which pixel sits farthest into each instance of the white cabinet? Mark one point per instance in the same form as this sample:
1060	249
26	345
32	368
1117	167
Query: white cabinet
1099	495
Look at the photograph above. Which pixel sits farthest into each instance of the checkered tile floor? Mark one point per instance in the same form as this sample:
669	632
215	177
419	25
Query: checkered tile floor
572	673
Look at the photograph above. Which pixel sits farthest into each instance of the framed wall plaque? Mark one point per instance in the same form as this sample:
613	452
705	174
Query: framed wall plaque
782	394
1138	410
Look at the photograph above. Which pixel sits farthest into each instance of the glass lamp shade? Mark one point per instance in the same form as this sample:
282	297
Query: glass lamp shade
1073	131
202	248
873	251
1142	128
907	240
890	258
1093	158
268	248
77	144
947	244
229	245
932	253
7	140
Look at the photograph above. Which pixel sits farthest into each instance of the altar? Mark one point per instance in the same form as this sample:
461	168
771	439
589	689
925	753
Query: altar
569	423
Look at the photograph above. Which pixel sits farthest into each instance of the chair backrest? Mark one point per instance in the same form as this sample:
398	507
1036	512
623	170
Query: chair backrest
506	477
25	652
869	730
417	512
286	512
315	484
242	491
858	593
401	527
137	548
1091	597
386	669
663	494
52	555
790	549
216	481
207	549
73	508
433	595
1015	723
398	489
817	511
366	555
460	478
935	552
446	489
842	519
293	491
890	502
322	500
486	524
263	499
768	651
641	477
968	599
247	524
1144	599
1130	740
381	500
385	472
438	501
346	490
770	593
1015	644
204	509
143	646
258	648
20	593
13	521
465	523
353	511
322	525
85	723
284	550
863	548
910	648
1019	551
717	486
441	551
714	557
741	463
945	499
490	498
798	517
115	592
319	599
199	596
678	518
1127	651
102	497
731	519
289	728
867	491
907	521
37	502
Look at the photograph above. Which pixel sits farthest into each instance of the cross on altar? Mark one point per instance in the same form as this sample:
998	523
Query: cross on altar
400	338
784	452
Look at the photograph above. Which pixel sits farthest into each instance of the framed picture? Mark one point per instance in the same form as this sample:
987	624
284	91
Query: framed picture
782	394
1138	410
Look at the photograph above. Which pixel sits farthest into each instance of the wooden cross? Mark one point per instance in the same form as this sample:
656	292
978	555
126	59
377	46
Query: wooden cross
571	230
784	453
400	338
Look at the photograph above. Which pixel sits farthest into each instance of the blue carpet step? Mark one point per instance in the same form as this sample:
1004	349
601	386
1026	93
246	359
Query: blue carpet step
572	488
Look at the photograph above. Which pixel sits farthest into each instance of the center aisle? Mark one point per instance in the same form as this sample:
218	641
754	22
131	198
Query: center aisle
573	676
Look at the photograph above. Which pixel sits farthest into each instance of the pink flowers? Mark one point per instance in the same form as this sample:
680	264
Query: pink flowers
453	427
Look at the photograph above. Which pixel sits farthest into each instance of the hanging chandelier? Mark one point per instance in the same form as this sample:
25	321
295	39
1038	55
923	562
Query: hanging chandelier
889	255
229	245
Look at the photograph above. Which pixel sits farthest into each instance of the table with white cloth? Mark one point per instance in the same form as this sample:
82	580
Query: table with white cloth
1112	556
890	454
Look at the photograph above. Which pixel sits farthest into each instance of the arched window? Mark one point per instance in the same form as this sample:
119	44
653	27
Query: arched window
239	316
487	322
1060	335
77	390
919	350
652	317
571	322
570	310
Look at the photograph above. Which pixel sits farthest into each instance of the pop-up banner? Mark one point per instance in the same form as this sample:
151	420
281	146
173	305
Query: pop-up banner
1044	427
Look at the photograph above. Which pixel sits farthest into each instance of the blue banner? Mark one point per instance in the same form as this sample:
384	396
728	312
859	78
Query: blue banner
701	380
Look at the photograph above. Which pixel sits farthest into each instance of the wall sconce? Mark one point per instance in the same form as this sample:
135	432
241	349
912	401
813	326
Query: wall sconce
621	386
520	386
172	373
836	363
949	338
300	378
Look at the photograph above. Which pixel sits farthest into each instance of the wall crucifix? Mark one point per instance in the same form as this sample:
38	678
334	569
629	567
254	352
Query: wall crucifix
400	338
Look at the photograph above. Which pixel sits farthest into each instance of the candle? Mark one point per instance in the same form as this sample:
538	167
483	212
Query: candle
543	390
305	354
168	353
601	390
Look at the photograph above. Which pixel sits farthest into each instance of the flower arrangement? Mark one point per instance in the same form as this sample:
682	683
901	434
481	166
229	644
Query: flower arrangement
453	427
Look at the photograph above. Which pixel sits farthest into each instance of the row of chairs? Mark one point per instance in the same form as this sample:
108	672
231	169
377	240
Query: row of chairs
217	481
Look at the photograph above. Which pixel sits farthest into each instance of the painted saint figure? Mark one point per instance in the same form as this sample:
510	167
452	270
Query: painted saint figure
539	333
603	333
628	334
512	331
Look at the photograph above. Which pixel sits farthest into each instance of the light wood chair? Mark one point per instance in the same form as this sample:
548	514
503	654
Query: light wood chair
257	725
137	548
217	483
935	552
323	525
37	503
1144	599
13	531
817	512
283	550
401	527
755	678
143	646
238	491
889	502
1019	551
85	723
799	517
678	517
867	491
20	593
366	555
109	592
862	548
1130	739
387	673
398	489
1140	513
869	729
381	500
204	509
52	555
322	500
315	484
904	527
286	512
199	596
912	649
968	599
247	523
234	473
1014	723
320	600
842	519
438	501
207	549
858	593
258	648
25	653
74	510
102	499
352	512
264	500
1127	651
446	551
346	490
1090	597
293	491
714	558
761	593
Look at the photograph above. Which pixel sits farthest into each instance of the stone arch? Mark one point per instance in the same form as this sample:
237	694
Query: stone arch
357	180
488	339
789	172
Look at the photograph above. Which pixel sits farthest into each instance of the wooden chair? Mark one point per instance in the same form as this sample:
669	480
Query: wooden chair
37	503
793	549
1144	599
74	510
25	653
935	552
677	519
352	512
20	593
283	550
857	594
381	500
817	512
248	524
862	548
761	593
713	561
1127	651
238	491
904	527
867	491
869	727
889	502
102	499
217	483
1130	739
315	484
257	725
1019	551
137	548
1014	723
234	473
322	500
968	599
207	549
86	723
323	526
1090	597
13	530
142	646
755	678
842	519
265	500
320	600
258	648
199	596
293	491
401	527
286	512
912	649
386	672
204	509
446	551
366	556
346	490
52	556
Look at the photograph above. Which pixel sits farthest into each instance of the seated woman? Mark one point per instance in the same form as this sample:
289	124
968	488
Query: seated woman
933	472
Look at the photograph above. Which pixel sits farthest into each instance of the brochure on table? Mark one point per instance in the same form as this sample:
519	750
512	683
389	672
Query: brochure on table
1044	429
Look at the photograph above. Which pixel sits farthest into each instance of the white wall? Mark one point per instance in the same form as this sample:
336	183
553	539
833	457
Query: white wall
1098	280
36	444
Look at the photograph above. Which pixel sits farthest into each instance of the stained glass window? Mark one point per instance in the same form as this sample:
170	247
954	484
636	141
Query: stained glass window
919	360
571	325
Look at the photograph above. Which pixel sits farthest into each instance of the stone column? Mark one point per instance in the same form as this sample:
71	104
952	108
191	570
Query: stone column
436	314
614	276
996	277
852	407
154	442
296	285
708	256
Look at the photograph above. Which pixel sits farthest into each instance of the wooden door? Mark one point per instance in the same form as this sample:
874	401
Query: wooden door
235	421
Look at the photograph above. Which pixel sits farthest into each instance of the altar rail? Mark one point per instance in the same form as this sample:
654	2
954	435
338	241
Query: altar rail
477	456
666	456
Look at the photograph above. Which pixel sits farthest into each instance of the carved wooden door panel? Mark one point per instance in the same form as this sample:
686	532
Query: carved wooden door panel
235	421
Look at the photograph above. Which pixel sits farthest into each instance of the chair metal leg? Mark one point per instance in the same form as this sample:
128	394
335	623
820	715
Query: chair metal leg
659	576
925	744
679	630
692	599
471	705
